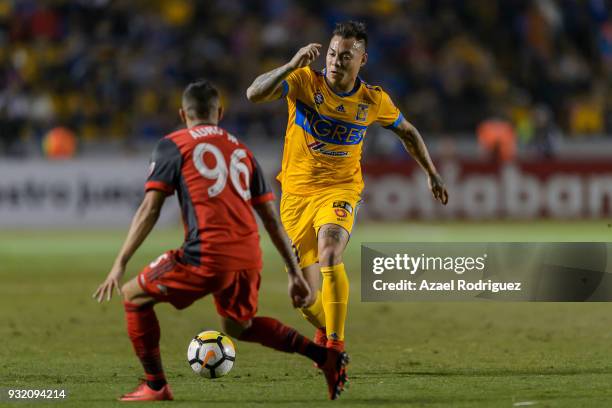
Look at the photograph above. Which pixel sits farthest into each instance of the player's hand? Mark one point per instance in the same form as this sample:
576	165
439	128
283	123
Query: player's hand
438	189
299	291
305	56
105	290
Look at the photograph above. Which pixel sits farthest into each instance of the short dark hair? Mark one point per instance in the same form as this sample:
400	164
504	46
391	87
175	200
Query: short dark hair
200	98
352	29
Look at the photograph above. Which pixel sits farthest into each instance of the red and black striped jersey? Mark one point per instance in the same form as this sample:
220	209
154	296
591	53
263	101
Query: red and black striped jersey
217	179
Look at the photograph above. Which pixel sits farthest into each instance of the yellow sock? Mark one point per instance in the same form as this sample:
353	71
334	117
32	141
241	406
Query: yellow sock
335	299
315	313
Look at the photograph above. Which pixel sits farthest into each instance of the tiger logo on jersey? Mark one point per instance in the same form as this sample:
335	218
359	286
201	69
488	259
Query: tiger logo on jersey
362	112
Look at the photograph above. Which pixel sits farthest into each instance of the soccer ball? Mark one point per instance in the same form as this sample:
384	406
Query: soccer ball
211	354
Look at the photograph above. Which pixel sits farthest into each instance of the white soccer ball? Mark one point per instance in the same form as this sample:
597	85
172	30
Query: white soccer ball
211	354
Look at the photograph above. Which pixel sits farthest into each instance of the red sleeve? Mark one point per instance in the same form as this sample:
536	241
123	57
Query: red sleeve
262	198
159	185
165	167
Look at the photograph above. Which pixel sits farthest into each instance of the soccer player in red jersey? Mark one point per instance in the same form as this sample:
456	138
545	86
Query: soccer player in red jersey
217	181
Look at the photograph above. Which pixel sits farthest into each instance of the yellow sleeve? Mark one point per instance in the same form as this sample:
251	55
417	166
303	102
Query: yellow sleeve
388	114
294	82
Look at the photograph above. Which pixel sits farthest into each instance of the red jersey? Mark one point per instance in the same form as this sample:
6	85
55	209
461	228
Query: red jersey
217	179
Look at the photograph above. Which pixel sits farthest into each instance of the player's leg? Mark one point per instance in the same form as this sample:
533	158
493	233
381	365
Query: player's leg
334	221
297	214
144	333
237	305
314	312
332	242
271	333
155	284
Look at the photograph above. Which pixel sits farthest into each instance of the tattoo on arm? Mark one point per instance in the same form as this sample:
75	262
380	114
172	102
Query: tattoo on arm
267	86
414	144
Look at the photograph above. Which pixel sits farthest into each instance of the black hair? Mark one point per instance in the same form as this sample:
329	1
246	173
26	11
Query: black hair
352	29
200	98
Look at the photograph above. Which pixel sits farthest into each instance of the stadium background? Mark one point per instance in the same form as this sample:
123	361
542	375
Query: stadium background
512	97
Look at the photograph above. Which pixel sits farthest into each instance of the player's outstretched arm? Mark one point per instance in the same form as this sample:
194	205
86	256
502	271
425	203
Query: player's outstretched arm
299	290
414	144
143	222
267	87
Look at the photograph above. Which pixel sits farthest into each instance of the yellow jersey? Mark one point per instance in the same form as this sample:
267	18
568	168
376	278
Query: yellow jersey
325	132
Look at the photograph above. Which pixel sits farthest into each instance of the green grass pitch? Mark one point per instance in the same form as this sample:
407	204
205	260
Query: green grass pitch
410	354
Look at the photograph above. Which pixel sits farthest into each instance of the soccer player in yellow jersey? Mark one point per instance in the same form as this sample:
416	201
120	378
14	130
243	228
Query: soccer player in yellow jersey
329	113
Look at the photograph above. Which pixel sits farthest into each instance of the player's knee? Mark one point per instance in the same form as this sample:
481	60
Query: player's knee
234	328
127	293
330	255
133	293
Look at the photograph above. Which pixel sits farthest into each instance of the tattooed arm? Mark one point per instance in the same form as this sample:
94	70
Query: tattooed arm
267	87
413	143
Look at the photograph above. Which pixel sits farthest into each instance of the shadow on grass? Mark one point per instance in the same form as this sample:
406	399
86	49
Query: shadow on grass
346	401
486	372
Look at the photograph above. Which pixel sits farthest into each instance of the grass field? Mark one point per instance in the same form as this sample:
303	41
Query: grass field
410	354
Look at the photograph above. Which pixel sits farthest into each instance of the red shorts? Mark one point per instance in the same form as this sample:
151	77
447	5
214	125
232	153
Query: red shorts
168	280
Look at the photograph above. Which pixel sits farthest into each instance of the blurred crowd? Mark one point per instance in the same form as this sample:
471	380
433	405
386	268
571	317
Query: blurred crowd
116	69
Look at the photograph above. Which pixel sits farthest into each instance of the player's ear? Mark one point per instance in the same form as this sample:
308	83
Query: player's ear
182	115
364	59
220	112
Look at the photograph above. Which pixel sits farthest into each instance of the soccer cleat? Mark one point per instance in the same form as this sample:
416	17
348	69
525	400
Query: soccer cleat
145	393
335	344
335	372
320	337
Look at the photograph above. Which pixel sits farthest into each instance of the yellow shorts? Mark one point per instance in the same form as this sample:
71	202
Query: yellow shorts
302	217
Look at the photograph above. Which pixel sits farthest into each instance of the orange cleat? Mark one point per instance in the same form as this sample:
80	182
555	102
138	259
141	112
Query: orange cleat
335	372
335	344
145	393
320	339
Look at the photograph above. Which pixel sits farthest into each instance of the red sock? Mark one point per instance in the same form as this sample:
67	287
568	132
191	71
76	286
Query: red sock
271	333
143	330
